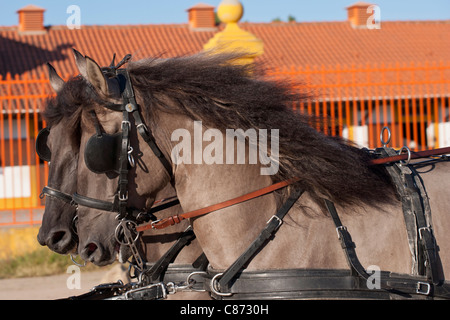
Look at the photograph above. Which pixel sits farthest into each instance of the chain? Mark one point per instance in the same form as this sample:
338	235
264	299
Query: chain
125	229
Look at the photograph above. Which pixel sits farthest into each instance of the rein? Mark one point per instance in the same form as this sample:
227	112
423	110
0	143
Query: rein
410	155
170	221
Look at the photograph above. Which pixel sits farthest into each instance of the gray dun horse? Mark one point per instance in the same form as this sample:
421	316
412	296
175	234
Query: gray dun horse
60	227
306	217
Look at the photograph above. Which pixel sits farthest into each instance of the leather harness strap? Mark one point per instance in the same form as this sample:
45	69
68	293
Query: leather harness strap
170	221
269	230
417	213
50	192
414	155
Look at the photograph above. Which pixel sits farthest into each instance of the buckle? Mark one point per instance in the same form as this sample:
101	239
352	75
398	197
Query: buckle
423	288
128	123
124	197
339	228
422	229
142	291
280	222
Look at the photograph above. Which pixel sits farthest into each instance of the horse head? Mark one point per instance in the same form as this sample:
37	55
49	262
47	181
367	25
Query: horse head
99	173
57	144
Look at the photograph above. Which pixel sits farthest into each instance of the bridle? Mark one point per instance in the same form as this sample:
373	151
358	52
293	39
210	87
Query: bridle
128	108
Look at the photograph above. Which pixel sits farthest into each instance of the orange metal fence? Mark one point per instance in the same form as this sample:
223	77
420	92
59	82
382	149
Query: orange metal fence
358	101
22	174
353	101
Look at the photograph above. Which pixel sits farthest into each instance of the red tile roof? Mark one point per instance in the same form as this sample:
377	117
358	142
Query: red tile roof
286	45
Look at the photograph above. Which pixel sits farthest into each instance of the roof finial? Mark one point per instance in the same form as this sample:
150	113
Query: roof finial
233	38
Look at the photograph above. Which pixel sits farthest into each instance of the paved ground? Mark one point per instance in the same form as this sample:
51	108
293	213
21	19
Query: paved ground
48	288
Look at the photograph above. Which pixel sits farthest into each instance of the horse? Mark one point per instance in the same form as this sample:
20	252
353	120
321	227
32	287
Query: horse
57	228
60	143
192	104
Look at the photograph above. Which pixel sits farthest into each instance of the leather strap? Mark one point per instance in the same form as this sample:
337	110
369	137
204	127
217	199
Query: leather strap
417	209
271	227
156	272
415	285
150	140
170	221
95	203
135	214
47	191
414	155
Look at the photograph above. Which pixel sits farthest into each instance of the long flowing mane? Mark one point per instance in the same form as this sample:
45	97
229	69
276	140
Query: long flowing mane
226	95
223	94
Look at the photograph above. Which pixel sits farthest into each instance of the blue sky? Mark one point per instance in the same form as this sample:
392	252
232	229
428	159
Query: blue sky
173	11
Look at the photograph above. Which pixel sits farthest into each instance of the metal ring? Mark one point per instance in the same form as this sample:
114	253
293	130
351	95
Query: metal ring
409	155
74	224
116	232
130	157
116	235
385	143
215	290
191	286
76	263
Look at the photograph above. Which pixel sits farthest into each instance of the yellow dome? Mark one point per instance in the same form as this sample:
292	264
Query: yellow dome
230	11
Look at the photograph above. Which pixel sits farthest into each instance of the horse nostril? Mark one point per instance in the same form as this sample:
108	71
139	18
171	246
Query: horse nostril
59	241
57	236
90	249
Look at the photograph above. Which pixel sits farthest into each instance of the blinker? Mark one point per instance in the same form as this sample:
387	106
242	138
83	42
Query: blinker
42	148
102	152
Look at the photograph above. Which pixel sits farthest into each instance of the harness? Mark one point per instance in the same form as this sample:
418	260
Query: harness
237	283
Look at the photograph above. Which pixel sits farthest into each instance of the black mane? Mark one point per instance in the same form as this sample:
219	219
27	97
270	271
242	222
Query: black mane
223	94
226	95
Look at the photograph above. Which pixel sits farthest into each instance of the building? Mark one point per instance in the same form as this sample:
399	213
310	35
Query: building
366	74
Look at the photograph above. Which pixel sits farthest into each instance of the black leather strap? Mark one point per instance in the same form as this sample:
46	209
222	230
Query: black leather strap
47	191
416	208
404	285
271	227
150	140
156	272
95	203
135	214
320	284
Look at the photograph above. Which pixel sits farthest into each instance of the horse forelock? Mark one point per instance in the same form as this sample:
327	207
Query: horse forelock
67	107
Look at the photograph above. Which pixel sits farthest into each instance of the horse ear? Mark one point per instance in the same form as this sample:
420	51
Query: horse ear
56	81
80	61
95	76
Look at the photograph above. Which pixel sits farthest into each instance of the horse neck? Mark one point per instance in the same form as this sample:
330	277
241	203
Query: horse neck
224	234
149	180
